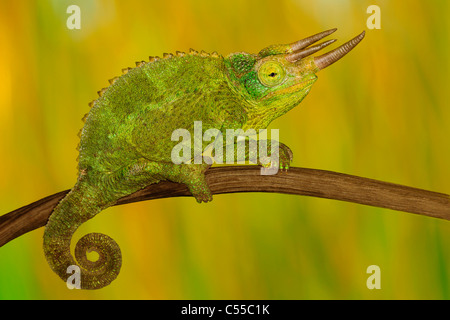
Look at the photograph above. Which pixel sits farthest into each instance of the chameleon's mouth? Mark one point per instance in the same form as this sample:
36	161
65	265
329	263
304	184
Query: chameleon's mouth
301	86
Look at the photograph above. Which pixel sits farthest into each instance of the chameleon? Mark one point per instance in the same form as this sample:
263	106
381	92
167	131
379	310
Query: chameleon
125	143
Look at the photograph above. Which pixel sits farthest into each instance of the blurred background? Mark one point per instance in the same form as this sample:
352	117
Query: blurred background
382	112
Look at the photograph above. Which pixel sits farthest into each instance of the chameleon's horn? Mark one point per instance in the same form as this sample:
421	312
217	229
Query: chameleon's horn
301	44
331	57
295	46
292	57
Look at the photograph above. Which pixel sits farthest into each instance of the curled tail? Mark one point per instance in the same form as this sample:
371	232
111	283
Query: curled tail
81	204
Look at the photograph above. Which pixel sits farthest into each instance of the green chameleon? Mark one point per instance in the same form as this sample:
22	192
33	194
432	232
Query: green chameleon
126	140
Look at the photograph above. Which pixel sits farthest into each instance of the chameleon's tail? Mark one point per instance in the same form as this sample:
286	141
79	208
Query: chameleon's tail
81	204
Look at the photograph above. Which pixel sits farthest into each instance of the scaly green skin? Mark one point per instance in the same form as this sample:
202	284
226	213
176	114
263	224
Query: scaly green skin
126	140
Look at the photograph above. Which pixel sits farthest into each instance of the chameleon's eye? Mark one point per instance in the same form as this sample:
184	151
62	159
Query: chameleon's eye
271	73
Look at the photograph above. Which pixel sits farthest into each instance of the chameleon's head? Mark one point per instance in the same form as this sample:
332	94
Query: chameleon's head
280	76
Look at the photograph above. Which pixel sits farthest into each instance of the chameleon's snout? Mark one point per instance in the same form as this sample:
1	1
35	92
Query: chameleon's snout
302	48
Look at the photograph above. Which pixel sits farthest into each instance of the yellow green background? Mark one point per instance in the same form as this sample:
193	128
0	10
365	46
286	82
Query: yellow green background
382	112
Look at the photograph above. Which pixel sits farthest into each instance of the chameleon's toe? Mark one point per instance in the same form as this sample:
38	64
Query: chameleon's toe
201	192
284	168
203	197
286	155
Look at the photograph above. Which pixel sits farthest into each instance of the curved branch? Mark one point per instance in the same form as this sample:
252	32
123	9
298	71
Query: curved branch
232	179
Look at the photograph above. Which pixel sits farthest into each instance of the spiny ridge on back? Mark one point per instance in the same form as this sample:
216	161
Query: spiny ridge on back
153	59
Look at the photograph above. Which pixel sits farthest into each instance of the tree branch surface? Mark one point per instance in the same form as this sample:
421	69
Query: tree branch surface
233	179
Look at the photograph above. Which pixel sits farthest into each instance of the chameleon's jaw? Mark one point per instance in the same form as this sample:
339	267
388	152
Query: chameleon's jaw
302	48
303	86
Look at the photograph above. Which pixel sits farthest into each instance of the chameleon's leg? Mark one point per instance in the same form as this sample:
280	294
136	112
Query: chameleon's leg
192	175
146	172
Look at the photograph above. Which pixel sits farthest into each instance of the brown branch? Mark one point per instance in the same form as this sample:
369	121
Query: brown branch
231	179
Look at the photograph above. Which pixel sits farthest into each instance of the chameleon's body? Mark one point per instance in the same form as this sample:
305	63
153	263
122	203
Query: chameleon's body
126	140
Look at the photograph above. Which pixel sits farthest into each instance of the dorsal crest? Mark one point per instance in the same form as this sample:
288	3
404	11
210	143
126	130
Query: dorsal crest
153	59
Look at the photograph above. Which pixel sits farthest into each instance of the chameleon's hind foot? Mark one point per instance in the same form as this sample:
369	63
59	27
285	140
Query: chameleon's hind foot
201	192
193	176
197	184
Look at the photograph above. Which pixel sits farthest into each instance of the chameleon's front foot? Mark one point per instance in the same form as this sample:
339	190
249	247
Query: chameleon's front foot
280	160
285	157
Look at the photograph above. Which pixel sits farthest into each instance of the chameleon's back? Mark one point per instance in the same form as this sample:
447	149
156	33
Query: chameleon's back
136	115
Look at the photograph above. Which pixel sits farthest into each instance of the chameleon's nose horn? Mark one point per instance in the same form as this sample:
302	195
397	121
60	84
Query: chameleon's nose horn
301	44
331	57
295	56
